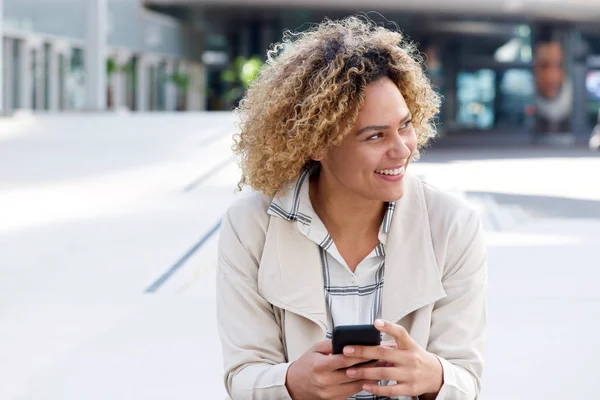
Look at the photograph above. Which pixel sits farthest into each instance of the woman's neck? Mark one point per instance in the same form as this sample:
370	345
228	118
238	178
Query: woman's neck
345	214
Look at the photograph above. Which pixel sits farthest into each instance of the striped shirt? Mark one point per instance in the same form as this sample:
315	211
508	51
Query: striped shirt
351	297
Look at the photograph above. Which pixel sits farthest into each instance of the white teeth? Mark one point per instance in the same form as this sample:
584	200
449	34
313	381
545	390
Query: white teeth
396	171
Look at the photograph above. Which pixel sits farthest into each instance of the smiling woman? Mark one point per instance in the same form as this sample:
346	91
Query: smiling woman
328	130
307	98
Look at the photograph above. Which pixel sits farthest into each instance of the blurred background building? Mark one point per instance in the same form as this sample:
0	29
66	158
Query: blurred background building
509	67
52	50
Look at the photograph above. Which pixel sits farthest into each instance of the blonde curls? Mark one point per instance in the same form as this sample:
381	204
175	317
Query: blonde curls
308	96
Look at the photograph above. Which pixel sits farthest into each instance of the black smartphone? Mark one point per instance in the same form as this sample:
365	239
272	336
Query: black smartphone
357	335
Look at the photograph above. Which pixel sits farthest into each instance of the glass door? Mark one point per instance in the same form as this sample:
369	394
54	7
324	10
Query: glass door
497	98
516	99
476	94
75	77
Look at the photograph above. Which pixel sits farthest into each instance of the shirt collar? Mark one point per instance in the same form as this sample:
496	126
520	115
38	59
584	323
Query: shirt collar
293	203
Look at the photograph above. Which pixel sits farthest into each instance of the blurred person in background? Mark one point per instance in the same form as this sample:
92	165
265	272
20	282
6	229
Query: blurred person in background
338	231
554	99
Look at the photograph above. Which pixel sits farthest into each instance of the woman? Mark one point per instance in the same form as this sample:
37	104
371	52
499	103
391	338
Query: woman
338	232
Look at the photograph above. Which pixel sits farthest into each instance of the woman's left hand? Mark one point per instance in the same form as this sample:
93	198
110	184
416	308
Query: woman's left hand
415	370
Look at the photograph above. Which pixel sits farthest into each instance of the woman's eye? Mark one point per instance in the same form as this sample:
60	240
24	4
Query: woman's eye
375	136
406	124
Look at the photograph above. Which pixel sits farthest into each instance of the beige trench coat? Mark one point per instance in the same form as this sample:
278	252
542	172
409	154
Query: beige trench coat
271	304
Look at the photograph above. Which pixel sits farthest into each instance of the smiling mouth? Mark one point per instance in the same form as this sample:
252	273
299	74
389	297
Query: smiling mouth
391	172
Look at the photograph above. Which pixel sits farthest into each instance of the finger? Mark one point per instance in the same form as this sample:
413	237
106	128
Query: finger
401	389
323	347
339	361
390	344
346	390
371	352
368	364
339	377
381	373
408	358
398	332
383	363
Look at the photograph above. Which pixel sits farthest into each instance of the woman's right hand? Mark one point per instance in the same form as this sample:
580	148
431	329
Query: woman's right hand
318	374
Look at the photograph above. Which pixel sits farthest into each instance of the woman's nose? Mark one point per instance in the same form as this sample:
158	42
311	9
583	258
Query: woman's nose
399	148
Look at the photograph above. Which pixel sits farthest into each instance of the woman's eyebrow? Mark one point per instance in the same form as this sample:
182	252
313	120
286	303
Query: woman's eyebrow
382	127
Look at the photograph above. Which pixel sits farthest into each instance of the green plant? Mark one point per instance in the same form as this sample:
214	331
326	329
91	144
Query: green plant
111	66
239	75
128	68
250	70
242	70
181	80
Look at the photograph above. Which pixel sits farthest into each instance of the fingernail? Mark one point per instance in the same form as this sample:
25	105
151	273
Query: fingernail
379	323
348	350
351	372
367	387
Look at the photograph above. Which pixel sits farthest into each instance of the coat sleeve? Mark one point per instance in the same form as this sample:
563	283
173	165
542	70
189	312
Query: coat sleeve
459	319
253	353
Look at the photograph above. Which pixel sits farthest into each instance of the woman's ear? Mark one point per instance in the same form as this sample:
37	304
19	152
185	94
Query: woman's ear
319	155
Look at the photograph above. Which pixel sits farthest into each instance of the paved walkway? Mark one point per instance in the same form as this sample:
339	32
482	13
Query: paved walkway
107	271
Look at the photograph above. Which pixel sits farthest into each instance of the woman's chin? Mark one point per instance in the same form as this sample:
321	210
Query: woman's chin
391	194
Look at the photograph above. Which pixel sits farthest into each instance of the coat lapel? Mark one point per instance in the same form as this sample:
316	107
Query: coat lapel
412	278
290	275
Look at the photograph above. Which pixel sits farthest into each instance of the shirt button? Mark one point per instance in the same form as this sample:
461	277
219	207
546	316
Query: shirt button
353	279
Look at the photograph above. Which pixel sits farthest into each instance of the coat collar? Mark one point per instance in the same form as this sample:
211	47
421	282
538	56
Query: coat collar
290	274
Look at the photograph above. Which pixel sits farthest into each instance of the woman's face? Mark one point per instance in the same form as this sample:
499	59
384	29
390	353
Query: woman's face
371	161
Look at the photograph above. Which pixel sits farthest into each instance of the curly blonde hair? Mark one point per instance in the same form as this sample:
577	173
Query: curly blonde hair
308	96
